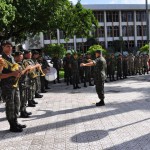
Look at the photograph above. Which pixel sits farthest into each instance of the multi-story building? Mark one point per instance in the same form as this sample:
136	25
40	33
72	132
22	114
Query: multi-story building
127	22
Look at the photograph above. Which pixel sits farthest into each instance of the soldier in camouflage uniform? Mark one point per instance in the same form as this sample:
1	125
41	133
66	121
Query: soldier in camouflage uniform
146	64
10	93
87	71
112	64
23	84
32	76
67	68
119	67
131	64
125	67
100	75
75	71
35	56
137	67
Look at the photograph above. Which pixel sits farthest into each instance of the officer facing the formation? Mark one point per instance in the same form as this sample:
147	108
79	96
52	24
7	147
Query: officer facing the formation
10	93
99	75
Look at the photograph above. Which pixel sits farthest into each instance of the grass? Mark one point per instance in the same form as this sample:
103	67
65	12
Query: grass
61	73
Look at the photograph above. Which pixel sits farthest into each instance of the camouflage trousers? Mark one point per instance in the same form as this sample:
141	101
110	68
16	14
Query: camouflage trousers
12	98
99	85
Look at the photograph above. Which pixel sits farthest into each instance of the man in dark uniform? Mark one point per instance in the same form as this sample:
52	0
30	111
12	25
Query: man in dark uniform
56	61
125	67
10	93
119	66
75	71
67	68
87	71
112	64
99	75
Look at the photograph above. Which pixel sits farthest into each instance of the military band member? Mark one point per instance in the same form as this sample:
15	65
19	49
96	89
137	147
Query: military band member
23	84
10	93
112	65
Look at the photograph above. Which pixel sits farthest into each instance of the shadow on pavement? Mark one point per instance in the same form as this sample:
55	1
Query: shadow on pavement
89	136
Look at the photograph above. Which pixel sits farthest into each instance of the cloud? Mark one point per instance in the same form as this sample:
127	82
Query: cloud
74	1
127	2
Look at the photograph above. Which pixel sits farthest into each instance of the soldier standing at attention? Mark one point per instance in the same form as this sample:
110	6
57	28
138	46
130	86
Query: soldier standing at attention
10	93
112	64
125	67
67	68
75	71
23	84
56	61
146	64
99	75
119	67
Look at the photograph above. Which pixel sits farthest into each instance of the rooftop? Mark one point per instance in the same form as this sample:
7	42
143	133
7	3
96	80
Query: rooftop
116	6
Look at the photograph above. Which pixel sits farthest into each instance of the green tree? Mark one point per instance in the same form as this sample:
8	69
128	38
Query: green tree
7	15
93	48
55	49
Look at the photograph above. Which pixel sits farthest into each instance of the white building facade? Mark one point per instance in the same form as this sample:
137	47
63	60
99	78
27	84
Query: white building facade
125	21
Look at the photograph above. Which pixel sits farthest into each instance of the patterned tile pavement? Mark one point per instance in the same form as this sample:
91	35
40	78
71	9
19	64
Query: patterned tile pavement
67	119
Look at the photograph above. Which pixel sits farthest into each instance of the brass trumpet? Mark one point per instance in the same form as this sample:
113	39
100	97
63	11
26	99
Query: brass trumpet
41	71
32	71
13	67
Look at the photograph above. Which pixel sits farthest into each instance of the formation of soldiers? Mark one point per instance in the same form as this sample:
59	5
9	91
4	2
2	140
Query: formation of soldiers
21	78
122	66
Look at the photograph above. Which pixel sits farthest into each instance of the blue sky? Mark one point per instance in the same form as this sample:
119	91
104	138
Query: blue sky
111	1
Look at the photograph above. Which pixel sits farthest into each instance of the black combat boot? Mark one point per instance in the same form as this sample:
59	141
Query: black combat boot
30	103
85	84
34	102
78	87
28	113
74	87
14	127
23	114
37	95
19	125
101	103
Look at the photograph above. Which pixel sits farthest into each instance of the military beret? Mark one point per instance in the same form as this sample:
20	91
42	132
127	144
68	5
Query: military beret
35	52
27	51
98	51
17	53
6	43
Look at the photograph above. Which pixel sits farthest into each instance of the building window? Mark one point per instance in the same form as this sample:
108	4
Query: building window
127	16
130	30
116	31
130	16
139	31
112	16
109	16
109	31
46	36
115	16
130	44
144	29
124	30
110	44
99	15
140	16
141	43
99	32
62	36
